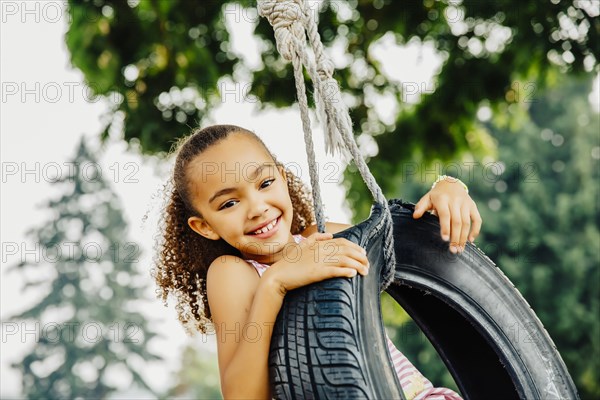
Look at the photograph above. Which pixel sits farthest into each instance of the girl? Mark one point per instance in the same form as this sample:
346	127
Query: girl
233	213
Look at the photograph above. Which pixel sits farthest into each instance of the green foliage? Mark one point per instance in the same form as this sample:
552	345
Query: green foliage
86	327
541	224
161	61
198	377
550	218
166	44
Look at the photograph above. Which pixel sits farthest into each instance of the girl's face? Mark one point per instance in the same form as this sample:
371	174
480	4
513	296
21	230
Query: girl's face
243	198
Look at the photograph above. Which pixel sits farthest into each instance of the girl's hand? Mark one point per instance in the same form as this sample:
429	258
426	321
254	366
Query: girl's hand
455	208
317	258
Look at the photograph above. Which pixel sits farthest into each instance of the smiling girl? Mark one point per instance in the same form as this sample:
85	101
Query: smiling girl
233	217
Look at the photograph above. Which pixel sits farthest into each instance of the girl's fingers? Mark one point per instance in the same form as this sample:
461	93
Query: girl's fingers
345	255
312	240
456	224
347	272
466	225
342	246
422	205
362	266
443	210
476	222
341	254
321	236
354	251
348	269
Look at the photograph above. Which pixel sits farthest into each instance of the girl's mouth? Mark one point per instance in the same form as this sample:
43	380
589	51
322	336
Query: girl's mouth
265	232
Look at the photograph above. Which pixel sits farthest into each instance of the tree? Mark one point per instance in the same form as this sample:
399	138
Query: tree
87	330
539	204
161	61
198	377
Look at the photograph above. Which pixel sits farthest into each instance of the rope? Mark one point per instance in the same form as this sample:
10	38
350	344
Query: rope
310	150
292	21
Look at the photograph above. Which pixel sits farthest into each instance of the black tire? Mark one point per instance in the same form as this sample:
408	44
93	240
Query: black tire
329	341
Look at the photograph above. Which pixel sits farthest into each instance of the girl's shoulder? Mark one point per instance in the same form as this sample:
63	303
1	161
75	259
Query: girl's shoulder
227	275
226	260
330	227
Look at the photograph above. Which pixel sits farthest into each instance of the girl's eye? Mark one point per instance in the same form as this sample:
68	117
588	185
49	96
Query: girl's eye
269	181
227	204
231	203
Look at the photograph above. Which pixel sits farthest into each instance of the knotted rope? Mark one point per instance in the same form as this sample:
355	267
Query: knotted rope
292	22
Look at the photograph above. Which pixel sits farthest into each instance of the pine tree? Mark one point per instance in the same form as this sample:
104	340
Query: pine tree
88	333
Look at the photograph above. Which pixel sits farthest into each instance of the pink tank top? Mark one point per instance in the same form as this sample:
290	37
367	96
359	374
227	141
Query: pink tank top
414	384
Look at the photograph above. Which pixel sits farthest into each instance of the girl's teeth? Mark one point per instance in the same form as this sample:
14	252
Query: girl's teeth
266	228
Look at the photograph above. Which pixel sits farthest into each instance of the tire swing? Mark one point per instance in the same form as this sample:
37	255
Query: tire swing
329	340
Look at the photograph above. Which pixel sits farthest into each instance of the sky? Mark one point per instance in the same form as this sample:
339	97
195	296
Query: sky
46	109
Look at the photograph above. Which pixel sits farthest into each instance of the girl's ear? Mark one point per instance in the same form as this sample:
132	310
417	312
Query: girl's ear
200	226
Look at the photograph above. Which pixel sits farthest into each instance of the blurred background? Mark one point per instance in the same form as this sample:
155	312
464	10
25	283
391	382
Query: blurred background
503	95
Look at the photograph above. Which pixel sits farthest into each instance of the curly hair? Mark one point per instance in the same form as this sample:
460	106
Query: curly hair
183	256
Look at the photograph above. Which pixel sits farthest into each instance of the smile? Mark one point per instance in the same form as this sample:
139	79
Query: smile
267	230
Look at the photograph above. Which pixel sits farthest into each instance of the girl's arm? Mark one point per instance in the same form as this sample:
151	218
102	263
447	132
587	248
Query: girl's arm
244	309
450	203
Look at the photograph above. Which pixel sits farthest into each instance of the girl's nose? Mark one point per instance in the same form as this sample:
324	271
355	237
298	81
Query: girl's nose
257	208
257	211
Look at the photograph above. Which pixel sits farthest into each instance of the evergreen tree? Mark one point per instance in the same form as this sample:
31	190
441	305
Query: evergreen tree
88	333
